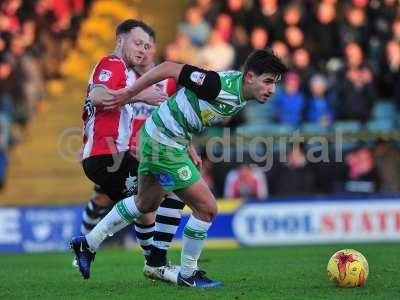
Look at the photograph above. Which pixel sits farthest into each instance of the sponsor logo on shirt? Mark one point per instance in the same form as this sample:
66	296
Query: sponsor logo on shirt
105	75
165	179
197	77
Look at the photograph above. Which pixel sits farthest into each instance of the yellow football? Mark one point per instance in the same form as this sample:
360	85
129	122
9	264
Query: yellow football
348	268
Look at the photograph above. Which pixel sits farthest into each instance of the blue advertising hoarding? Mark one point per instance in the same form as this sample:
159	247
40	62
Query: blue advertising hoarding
270	222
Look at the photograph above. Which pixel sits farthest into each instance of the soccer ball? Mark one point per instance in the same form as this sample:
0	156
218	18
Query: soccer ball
348	268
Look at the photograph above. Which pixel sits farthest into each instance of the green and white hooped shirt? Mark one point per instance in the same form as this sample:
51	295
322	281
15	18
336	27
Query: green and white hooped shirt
184	114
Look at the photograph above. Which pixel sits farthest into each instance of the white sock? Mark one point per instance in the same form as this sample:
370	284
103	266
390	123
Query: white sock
122	214
194	234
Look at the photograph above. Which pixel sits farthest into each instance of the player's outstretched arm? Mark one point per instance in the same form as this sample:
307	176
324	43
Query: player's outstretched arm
103	97
133	93
205	84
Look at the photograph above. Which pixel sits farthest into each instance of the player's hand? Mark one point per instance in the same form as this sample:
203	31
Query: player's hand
108	99
115	98
195	157
103	98
153	95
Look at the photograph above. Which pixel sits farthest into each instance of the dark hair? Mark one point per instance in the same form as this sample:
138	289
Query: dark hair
151	33
127	25
264	61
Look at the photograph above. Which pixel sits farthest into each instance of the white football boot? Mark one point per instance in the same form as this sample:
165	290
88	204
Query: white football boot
168	273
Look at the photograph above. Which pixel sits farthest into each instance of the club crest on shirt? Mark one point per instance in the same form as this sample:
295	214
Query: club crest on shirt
105	75
197	77
185	173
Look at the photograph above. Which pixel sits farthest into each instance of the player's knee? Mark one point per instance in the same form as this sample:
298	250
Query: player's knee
146	205
208	212
102	200
212	211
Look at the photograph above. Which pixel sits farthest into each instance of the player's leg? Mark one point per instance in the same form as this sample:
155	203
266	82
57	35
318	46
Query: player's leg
127	211
168	218
176	172
119	183
144	231
95	209
121	215
202	202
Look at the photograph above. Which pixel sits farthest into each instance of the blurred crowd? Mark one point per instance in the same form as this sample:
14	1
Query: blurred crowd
344	55
361	171
344	59
35	36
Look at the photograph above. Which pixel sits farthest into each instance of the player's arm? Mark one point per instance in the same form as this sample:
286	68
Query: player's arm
110	75
101	97
205	84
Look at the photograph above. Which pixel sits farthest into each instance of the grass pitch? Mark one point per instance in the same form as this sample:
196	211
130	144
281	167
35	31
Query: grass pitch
247	273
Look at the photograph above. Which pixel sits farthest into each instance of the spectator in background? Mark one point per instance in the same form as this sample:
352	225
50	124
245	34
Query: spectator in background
209	9
382	14
354	29
4	137
10	9
292	16
239	13
195	26
259	38
319	110
216	55
7	112
5	25
294	177
323	33
294	37
8	89
396	30
281	50
224	26
387	160
362	176
289	103
356	91
389	79
268	15
301	64
240	40
4	42
182	50
30	79
246	182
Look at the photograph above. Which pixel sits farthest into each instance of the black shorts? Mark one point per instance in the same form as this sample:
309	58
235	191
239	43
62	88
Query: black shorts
115	177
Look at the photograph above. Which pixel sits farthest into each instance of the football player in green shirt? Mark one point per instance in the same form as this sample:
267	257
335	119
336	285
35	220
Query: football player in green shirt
206	99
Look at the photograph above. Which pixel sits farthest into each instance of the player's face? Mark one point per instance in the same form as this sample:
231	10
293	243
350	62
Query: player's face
134	45
262	86
149	55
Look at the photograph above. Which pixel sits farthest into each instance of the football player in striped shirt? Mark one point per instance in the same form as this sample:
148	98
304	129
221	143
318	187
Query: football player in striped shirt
110	136
207	98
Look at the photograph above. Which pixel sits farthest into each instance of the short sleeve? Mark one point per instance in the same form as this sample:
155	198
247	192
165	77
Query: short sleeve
111	73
